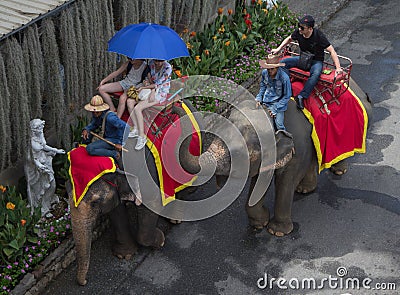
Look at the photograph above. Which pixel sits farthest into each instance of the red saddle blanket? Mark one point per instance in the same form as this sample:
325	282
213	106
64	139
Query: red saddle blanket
339	134
85	169
163	135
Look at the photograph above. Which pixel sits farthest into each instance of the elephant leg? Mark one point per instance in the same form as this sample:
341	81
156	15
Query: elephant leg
340	168
258	215
83	218
309	182
124	246
148	233
281	224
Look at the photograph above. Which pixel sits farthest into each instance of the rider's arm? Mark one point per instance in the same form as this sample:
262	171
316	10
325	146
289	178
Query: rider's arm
115	74
283	44
263	87
335	59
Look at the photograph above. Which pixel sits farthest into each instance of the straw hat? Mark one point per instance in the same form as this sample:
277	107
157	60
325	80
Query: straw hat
272	61
96	104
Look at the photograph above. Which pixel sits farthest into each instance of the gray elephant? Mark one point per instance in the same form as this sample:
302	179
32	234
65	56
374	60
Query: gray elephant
109	194
295	169
106	195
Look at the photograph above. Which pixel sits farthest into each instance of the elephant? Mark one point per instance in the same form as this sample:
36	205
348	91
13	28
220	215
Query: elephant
106	195
110	194
295	168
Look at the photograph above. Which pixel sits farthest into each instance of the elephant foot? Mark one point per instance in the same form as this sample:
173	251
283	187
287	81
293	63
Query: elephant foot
339	168
175	221
303	188
124	251
156	239
258	227
82	282
280	229
308	184
258	219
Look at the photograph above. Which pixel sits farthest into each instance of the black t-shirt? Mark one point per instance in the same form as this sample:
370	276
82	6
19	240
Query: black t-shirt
315	44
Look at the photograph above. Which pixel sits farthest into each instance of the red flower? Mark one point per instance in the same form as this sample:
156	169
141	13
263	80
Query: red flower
248	23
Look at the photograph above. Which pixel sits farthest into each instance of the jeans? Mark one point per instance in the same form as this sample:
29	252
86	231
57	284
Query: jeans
279	118
101	148
315	72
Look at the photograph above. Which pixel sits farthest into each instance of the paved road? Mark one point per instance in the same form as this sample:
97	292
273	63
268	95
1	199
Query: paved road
350	222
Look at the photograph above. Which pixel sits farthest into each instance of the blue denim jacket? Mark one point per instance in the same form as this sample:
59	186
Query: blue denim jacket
114	127
275	93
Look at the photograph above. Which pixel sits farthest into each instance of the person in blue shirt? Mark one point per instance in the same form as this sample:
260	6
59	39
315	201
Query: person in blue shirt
113	129
275	90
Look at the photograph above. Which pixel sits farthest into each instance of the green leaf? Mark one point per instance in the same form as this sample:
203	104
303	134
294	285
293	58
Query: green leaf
14	244
8	251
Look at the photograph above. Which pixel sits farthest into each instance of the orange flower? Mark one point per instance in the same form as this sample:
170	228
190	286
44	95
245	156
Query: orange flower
265	10
220	10
178	73
3	188
189	46
221	29
23	222
192	34
197	58
230	11
185	30
207	52
214	38
227	43
244	37
259	2
10	206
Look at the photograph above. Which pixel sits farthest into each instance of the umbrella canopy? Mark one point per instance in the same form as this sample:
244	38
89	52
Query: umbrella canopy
148	41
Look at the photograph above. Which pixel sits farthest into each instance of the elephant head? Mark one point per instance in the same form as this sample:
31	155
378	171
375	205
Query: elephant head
105	195
249	129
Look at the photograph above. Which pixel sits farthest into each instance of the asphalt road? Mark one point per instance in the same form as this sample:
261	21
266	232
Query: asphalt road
349	224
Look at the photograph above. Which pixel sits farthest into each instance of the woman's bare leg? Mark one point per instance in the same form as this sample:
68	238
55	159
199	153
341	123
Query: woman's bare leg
104	91
139	115
131	103
121	104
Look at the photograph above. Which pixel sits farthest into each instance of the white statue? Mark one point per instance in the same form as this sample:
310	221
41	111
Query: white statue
39	169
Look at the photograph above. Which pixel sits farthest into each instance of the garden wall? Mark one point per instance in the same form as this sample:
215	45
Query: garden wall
51	69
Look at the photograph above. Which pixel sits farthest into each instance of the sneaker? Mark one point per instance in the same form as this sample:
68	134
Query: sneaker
141	142
133	133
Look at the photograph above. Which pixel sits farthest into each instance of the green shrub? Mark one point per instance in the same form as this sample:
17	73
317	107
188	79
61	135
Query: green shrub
232	45
17	225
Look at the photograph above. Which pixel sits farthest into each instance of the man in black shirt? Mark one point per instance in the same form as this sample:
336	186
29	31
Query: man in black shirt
312	40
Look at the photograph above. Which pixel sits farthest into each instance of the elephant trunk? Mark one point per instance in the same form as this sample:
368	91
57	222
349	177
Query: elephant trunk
82	221
215	160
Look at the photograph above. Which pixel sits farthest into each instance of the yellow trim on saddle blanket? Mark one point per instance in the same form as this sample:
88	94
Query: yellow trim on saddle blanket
78	200
314	136
158	163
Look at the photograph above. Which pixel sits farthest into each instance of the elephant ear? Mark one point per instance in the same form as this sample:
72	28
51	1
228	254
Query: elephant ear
129	189
284	148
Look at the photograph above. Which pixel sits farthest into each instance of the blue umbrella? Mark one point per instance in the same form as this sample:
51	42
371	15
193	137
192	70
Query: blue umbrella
148	41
